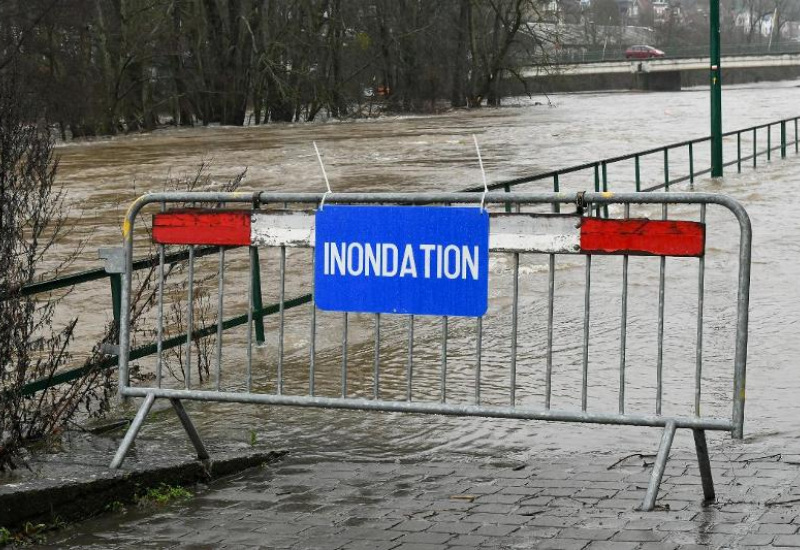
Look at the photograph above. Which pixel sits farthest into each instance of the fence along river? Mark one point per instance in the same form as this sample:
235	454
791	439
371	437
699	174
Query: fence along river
380	435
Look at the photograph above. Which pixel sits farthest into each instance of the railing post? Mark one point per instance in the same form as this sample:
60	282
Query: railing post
783	139
755	147
691	163
116	297
666	169
769	142
508	204
258	306
637	174
795	137
115	267
739	152
556	189
716	91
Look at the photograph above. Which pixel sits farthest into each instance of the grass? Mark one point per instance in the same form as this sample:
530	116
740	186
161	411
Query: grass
163	494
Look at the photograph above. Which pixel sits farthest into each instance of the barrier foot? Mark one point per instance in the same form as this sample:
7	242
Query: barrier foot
133	430
197	441
658	468
704	463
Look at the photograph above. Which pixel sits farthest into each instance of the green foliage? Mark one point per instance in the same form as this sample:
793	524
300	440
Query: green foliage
163	494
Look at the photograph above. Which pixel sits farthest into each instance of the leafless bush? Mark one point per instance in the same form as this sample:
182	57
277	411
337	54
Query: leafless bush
32	348
175	292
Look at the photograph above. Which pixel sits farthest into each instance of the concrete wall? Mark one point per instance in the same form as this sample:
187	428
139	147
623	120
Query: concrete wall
646	81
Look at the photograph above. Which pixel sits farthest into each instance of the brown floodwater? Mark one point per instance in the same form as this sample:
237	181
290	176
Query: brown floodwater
436	153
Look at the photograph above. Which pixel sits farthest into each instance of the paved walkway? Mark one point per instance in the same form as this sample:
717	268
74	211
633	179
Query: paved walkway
568	502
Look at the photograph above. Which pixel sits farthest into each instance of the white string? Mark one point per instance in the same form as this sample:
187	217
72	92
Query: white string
483	172
324	175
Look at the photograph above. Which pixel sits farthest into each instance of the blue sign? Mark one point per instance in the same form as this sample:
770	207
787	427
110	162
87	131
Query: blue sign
402	259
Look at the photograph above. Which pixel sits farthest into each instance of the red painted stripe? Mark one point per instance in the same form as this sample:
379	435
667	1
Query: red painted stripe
643	237
213	227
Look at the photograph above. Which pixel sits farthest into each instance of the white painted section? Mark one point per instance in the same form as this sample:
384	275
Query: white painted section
541	233
282	229
535	233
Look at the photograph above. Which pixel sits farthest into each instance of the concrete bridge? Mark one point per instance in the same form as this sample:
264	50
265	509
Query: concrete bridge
663	73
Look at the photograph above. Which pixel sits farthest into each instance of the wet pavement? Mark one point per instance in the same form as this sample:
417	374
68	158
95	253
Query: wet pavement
576	501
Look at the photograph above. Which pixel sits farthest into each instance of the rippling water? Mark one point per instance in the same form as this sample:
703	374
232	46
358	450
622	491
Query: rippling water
436	153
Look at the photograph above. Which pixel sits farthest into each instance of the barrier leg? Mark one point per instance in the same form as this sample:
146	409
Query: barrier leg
197	441
658	468
705	465
133	430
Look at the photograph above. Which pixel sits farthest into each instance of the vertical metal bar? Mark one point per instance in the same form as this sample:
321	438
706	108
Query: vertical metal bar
410	363
551	287
755	147
605	188
281	318
742	316
220	316
250	293
769	142
377	359
783	139
716	90
704	464
597	186
623	329
344	355
160	312
739	152
691	162
313	346
658	467
698	376
660	358
637	173
116	297
507	189
586	304
556	189
478	353
444	360
514	325
189	321
666	169
796	141
255	276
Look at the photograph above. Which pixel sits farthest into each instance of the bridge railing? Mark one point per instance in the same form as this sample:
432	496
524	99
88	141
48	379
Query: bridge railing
648	170
580	55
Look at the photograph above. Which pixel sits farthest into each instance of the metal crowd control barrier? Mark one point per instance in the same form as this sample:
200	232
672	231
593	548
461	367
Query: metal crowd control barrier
549	224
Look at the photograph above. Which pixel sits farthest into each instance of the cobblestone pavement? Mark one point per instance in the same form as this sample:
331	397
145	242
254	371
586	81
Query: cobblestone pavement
568	502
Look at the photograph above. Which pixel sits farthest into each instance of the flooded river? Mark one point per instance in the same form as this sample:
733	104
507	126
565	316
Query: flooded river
436	154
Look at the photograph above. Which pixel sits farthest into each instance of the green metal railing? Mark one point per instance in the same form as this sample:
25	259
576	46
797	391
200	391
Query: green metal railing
596	177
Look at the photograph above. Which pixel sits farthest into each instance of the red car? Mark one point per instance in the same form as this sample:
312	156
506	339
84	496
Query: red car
643	52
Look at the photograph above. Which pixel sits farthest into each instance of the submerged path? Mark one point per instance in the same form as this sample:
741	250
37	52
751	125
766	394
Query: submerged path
569	502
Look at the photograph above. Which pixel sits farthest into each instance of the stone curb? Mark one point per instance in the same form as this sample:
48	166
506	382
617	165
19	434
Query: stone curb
72	500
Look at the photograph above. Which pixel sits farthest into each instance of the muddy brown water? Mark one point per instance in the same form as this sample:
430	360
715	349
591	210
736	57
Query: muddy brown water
435	153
